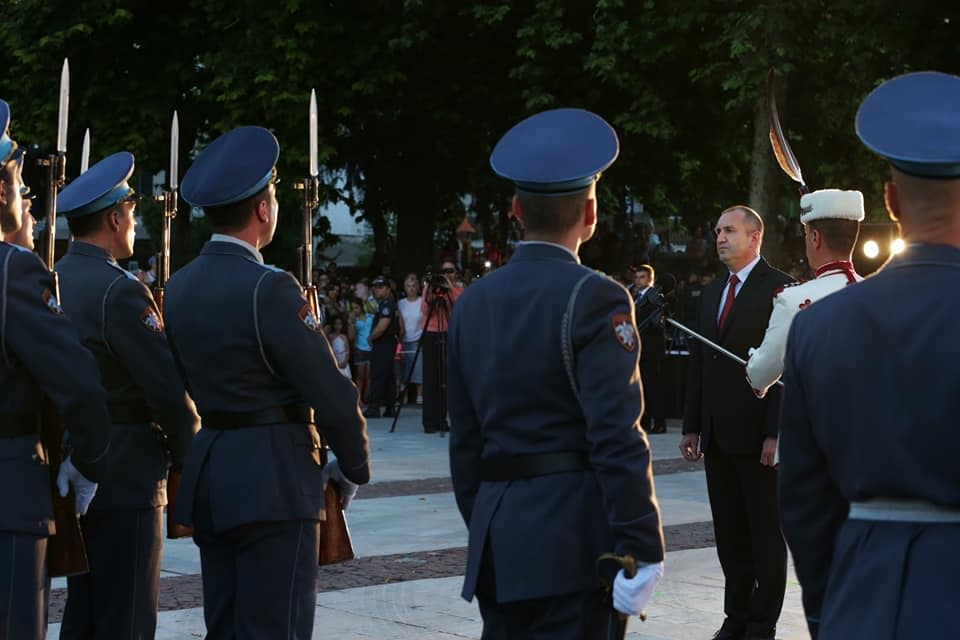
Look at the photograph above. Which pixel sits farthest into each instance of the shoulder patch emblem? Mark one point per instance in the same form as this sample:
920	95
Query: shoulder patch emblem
806	303
151	320
51	302
309	319
624	331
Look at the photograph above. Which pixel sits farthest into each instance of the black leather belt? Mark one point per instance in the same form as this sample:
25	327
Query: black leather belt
298	413
532	466
14	426
129	413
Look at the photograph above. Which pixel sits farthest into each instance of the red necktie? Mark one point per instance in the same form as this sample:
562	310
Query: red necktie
728	303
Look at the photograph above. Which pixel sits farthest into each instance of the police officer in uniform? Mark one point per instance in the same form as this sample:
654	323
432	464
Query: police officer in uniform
869	481
831	223
383	338
549	464
265	380
150	411
39	354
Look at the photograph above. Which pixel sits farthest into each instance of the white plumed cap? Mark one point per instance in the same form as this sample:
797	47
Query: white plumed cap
831	203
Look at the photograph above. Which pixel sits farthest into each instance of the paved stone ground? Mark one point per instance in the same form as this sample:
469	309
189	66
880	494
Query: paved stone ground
411	544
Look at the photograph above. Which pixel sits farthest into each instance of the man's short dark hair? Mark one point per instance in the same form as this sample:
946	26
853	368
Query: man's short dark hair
840	236
234	216
85	225
646	268
551	215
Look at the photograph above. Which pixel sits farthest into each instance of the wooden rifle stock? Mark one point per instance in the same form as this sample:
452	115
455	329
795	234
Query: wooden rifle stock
66	552
335	543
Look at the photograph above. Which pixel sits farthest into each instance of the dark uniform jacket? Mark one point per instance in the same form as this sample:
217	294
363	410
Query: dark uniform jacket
871	399
119	322
510	395
247	341
720	404
40	353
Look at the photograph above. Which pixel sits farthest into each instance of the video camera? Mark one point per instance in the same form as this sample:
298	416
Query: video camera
437	283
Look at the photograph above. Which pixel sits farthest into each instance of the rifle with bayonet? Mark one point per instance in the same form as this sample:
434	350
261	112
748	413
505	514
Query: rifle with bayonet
335	542
170	199
66	553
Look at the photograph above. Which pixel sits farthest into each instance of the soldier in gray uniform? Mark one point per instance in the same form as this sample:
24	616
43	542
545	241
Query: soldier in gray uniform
265	380
549	464
39	354
152	417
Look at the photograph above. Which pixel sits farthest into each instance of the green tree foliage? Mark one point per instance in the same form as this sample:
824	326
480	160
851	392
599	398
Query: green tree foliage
414	93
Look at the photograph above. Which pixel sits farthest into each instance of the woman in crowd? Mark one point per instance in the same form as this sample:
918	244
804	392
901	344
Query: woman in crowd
362	322
411	323
340	345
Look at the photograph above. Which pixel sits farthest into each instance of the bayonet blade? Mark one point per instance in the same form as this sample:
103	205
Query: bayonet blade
174	152
85	152
64	107
314	151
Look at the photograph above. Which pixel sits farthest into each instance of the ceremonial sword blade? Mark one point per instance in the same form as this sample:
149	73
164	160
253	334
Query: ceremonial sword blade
778	141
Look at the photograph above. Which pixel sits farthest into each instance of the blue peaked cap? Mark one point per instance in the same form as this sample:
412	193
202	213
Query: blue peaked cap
232	168
556	152
99	187
913	121
7	145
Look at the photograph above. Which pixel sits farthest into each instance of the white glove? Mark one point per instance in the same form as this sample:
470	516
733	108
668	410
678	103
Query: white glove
83	489
630	595
348	490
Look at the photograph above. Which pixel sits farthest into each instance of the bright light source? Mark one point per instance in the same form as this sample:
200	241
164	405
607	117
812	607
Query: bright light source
897	246
871	249
487	264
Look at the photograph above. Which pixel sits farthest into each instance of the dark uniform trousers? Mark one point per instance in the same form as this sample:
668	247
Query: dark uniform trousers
433	413
118	599
577	616
25	592
258	578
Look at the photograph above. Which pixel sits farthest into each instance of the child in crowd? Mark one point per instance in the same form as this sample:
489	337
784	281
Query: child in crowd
340	345
362	322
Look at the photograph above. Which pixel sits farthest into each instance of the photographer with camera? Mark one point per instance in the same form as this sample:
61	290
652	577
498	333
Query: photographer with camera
440	292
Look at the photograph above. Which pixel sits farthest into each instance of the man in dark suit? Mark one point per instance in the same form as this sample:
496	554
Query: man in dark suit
736	432
152	417
265	380
869	484
549	465
653	350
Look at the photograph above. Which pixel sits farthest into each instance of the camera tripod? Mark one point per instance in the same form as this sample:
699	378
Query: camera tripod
439	305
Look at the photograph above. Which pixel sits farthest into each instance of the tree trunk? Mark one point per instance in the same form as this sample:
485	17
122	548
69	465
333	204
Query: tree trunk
415	247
